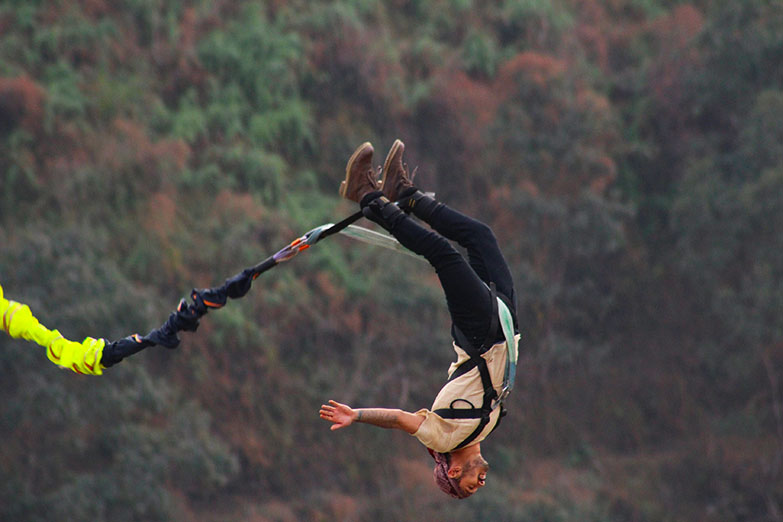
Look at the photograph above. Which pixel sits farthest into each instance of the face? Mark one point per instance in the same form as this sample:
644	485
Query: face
474	475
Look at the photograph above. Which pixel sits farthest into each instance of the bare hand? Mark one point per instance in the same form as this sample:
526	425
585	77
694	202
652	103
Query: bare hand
341	415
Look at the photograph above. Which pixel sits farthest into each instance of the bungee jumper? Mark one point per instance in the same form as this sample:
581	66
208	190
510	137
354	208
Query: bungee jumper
94	355
480	298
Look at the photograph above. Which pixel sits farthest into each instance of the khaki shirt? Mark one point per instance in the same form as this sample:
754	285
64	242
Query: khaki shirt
443	435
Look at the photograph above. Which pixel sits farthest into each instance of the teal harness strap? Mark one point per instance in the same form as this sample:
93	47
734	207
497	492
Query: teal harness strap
507	325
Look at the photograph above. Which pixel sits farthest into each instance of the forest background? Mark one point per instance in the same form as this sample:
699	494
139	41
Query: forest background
628	154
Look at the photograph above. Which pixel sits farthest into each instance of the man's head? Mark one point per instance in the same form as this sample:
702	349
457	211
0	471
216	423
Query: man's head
459	479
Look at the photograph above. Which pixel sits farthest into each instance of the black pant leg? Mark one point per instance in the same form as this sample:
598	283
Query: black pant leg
482	247
467	297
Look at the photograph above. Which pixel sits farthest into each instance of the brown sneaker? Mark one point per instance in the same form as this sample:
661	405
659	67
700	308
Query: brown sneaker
359	174
394	176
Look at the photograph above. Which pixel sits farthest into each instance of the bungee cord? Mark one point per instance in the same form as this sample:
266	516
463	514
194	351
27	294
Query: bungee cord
92	355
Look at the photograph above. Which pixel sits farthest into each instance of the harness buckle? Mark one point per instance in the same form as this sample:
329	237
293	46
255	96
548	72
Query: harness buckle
503	394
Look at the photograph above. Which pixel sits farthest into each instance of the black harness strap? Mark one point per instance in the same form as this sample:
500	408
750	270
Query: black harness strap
462	341
476	360
341	225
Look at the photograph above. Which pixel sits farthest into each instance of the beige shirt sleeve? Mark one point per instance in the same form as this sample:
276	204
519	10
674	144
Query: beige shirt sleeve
442	435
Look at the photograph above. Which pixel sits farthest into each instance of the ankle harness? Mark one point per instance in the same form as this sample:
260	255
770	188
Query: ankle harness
382	211
416	201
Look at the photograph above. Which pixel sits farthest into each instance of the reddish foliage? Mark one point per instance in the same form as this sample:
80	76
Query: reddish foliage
593	30
349	319
188	28
594	39
500	199
160	217
235	206
360	55
568	126
471	104
181	61
94	8
251	442
528	67
135	146
6	21
677	57
21	104
601	183
343	507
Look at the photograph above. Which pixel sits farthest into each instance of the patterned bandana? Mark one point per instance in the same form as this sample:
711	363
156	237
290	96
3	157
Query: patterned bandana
441	475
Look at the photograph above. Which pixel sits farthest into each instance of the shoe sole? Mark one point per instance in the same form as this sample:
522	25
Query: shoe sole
347	180
386	164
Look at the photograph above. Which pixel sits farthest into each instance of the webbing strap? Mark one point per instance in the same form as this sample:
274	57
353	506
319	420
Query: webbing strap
475	361
506	320
462	369
462	341
341	225
459	413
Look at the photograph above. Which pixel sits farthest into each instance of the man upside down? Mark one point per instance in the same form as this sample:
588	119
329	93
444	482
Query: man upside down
466	409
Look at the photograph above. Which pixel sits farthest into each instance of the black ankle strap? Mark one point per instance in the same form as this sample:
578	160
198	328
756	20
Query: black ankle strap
382	211
370	197
420	204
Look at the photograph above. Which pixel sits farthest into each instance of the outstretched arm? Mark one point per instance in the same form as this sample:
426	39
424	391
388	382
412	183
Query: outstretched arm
342	415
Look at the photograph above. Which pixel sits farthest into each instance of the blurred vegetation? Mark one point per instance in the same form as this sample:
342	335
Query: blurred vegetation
627	153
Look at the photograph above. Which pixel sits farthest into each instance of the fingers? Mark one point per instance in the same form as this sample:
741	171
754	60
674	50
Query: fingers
328	413
333	407
334	412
